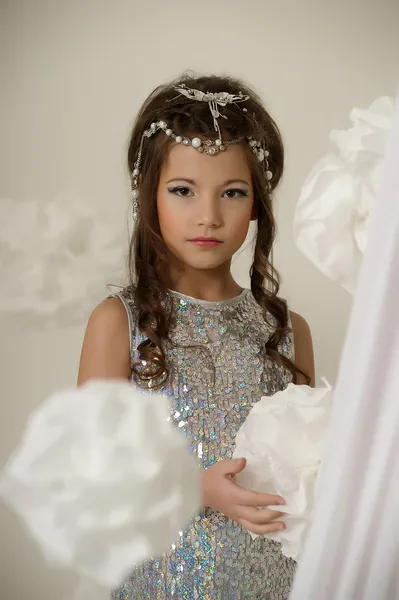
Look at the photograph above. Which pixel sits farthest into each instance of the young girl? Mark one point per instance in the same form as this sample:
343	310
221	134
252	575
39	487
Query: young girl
204	158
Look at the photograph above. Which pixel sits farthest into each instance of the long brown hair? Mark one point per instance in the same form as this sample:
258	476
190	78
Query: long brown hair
149	258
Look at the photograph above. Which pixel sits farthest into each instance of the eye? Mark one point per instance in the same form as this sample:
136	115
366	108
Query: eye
236	193
183	192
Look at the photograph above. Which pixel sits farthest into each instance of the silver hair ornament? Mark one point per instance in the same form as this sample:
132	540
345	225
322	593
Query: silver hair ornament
214	100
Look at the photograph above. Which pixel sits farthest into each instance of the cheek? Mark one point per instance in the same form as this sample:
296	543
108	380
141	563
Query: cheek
241	222
169	219
241	232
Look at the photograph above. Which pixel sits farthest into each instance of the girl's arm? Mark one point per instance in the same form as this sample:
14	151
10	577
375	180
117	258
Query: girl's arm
106	346
304	358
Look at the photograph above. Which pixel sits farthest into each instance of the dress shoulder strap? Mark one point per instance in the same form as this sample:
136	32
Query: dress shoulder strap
290	340
126	296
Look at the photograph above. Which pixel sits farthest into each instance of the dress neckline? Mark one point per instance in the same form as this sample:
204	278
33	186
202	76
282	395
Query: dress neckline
208	303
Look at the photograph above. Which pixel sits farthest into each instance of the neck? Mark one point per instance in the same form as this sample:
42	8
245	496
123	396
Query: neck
213	285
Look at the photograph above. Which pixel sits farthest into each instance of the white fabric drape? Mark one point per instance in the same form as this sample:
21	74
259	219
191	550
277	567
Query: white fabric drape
332	214
283	440
352	552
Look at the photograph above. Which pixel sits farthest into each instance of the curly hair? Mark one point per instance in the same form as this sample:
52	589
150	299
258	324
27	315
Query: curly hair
149	258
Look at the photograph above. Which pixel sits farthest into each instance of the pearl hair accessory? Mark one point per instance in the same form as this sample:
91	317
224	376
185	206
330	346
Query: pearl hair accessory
210	147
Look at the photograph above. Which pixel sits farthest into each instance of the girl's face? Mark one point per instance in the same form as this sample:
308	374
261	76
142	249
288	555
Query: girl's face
205	205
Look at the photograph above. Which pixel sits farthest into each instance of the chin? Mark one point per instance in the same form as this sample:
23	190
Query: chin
205	264
205	260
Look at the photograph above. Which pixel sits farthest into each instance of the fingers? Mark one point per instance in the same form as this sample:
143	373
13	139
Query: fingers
248	498
234	466
262	529
258	516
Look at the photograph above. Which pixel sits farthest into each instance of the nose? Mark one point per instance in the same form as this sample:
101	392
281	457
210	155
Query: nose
209	214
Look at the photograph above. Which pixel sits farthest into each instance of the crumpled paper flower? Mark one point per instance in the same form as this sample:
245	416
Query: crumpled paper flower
57	258
282	440
102	479
331	219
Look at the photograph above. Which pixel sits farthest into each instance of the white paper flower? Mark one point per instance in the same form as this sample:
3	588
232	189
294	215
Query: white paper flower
57	258
102	479
282	440
331	219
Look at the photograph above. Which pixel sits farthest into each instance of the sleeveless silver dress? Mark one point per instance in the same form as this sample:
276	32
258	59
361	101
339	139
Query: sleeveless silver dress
218	370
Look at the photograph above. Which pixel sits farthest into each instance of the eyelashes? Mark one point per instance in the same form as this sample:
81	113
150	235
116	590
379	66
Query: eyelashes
186	192
180	191
238	193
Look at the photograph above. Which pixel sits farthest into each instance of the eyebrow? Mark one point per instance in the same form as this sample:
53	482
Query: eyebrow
192	182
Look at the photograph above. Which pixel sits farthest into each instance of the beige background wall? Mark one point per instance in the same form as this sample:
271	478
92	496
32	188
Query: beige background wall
73	75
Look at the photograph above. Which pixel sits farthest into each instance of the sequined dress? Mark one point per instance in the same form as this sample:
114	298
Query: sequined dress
218	370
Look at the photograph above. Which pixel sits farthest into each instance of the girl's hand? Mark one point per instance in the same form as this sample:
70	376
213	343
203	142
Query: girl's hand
222	493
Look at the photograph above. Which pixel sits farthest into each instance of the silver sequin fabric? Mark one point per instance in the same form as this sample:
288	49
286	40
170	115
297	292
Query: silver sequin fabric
218	370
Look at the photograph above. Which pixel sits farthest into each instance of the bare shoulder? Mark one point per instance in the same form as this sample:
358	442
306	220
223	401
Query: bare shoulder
304	356
299	324
110	313
106	346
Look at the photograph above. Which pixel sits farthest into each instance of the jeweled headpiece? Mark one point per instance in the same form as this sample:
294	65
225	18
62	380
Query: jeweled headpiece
211	147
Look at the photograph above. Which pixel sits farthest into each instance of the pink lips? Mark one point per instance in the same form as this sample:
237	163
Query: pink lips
206	242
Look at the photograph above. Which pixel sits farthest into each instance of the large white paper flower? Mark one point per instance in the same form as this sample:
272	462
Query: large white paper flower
331	219
282	440
57	258
102	479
